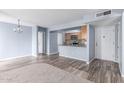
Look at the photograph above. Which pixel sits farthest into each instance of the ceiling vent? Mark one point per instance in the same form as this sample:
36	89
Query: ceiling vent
105	13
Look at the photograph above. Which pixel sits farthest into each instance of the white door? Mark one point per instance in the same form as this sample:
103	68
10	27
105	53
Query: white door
40	42
105	43
60	38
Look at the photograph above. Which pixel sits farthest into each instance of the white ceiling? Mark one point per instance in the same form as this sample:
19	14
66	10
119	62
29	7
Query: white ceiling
48	17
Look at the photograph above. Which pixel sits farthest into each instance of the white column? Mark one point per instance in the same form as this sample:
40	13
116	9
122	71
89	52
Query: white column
34	41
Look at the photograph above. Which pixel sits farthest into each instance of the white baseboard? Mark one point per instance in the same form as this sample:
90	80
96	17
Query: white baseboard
34	55
52	53
5	59
75	58
88	62
107	60
92	59
122	75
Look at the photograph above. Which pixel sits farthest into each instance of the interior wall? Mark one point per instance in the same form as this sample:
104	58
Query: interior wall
34	41
53	42
13	44
91	42
60	38
119	44
122	53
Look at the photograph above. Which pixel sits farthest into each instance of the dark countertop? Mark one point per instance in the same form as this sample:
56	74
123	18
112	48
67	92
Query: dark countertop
74	45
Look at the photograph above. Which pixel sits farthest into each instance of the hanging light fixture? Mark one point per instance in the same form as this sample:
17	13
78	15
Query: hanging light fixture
19	27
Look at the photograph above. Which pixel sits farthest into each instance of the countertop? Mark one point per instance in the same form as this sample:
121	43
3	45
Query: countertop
74	46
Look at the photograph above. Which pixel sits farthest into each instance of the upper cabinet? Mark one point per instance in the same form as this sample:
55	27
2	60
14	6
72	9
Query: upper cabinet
78	37
83	32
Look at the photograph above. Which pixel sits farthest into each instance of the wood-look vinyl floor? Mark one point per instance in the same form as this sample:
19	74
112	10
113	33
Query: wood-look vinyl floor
98	71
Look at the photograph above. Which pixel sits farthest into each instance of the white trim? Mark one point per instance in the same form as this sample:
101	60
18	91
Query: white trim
76	58
122	75
34	55
103	59
87	62
5	59
47	53
92	59
52	53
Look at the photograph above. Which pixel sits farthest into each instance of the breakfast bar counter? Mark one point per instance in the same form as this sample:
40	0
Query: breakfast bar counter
76	52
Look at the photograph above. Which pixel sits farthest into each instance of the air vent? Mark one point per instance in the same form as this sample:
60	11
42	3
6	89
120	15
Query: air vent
104	13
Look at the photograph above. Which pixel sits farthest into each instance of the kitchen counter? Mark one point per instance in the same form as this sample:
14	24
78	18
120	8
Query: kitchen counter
76	52
78	45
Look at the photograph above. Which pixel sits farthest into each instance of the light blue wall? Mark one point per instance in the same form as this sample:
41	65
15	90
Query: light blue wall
122	47
13	44
120	54
91	42
53	42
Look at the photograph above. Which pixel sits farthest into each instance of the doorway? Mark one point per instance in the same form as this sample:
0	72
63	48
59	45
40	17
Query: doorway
40	43
105	43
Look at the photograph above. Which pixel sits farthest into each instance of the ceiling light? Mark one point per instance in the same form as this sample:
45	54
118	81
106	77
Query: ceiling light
18	27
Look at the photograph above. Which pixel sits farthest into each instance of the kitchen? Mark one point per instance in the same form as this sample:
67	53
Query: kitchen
74	43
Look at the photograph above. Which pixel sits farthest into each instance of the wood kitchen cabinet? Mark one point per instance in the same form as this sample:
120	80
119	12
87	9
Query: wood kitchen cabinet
81	35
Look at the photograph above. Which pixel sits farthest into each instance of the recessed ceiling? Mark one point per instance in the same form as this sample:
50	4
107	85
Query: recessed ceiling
48	17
